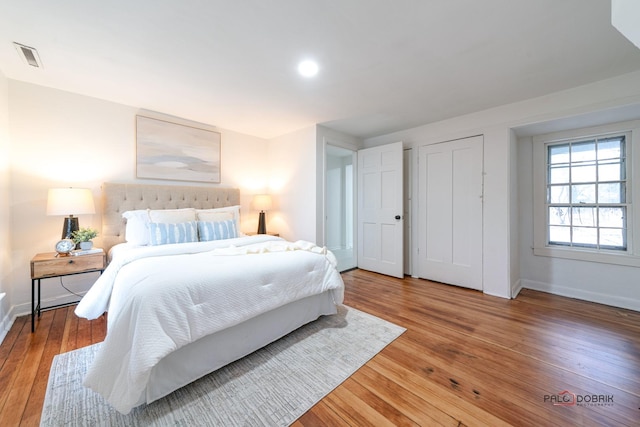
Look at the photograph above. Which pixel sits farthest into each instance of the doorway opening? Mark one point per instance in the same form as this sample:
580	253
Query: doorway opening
340	206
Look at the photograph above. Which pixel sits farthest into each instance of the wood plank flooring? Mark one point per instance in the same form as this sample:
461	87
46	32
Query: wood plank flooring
466	359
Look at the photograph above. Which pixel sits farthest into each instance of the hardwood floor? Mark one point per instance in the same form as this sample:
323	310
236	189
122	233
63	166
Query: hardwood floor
465	359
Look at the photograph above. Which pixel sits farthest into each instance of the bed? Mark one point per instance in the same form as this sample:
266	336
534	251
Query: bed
179	311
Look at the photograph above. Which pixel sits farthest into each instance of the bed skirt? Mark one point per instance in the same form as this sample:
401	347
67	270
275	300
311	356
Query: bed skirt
214	351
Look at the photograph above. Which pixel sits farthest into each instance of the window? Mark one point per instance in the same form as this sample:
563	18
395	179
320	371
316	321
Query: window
586	193
583	194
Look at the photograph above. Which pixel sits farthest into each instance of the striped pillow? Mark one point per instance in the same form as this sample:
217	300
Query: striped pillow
218	230
161	233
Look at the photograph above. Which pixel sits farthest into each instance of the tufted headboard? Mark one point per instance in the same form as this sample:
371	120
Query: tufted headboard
119	198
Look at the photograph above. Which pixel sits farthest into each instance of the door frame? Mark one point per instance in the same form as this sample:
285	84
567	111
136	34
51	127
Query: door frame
354	150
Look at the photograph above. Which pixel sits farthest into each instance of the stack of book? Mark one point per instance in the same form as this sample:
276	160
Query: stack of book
86	251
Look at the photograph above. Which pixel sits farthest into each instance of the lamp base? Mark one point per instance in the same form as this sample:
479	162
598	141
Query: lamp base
69	226
262	228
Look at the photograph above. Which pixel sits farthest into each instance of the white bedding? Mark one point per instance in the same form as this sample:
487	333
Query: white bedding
162	298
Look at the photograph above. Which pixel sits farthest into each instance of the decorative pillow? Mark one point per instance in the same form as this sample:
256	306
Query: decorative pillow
137	228
233	210
162	233
172	216
218	230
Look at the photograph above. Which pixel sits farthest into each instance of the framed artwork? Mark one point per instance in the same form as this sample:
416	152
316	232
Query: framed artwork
166	150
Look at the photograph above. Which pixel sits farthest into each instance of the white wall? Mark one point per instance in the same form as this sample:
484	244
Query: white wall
514	215
5	203
296	180
610	284
292	182
62	139
605	101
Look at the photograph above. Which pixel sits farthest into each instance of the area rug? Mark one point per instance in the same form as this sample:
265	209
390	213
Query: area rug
271	387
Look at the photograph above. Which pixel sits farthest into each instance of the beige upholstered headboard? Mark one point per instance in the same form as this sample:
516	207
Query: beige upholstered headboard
119	198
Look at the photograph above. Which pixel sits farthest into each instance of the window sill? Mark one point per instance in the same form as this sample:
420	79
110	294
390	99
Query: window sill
590	256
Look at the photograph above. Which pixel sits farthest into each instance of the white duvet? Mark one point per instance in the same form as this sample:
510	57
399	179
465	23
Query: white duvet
161	298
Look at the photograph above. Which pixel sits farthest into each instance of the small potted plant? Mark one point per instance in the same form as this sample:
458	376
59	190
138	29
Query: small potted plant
83	237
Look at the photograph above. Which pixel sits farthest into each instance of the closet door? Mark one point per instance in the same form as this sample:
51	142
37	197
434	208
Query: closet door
450	212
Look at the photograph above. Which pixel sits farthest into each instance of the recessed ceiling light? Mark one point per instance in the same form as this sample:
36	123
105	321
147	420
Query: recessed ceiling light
308	68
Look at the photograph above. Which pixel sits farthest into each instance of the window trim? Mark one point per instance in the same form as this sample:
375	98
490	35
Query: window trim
631	256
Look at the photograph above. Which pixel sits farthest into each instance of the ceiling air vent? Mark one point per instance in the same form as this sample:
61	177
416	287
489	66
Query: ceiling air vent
29	55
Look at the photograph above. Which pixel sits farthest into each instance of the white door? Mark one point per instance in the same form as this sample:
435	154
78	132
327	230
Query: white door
450	212
380	223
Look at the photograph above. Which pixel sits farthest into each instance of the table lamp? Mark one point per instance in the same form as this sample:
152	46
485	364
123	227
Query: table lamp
262	202
70	201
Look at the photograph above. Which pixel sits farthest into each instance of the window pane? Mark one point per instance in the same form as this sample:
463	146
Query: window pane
611	217
583	173
560	235
583	193
612	238
611	171
611	193
559	175
559	216
559	154
610	148
559	194
586	217
585	236
583	151
586	186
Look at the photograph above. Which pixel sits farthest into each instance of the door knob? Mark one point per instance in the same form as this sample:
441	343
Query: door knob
398	217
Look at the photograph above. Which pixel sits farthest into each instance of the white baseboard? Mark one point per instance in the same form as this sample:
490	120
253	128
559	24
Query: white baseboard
615	301
22	309
5	325
5	320
493	294
516	288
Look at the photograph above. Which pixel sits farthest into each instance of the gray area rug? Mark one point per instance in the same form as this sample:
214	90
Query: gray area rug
271	387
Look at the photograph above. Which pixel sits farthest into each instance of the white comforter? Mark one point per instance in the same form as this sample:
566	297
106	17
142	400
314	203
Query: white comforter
160	299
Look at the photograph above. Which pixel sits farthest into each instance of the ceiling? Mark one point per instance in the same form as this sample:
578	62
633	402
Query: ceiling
384	65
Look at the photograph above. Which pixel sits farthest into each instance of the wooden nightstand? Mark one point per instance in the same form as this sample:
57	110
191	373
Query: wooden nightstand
253	233
47	265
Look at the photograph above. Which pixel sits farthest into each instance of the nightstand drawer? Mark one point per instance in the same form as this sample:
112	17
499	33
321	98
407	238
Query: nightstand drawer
66	265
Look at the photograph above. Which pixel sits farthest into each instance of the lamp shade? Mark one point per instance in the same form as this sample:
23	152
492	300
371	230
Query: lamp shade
262	202
70	201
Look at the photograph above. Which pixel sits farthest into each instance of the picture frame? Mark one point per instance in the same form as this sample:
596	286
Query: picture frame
173	151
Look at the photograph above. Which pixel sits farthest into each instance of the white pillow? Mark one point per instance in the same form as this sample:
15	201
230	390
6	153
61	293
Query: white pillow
137	228
215	216
206	214
172	216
